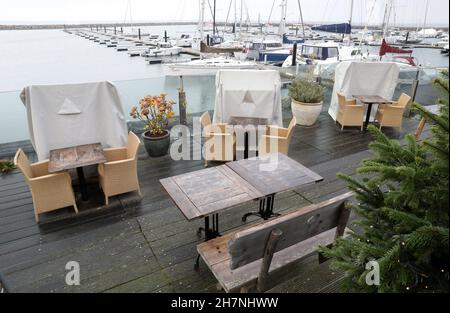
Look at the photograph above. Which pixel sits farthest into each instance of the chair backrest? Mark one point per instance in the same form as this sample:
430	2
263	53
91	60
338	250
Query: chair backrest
133	145
291	127
342	100
248	245
404	99
22	163
205	119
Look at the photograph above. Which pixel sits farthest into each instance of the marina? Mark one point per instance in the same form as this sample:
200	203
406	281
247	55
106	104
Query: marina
122	145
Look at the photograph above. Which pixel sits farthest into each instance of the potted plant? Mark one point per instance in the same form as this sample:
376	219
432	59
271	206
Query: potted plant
156	112
306	100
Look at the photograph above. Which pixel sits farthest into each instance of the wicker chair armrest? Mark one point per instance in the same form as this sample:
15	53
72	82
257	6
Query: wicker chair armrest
51	178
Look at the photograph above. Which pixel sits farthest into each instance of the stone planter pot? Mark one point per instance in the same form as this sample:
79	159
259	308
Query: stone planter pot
156	146
306	113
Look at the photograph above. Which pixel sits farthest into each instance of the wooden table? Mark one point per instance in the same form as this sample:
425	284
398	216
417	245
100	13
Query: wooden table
76	157
244	122
370	100
209	191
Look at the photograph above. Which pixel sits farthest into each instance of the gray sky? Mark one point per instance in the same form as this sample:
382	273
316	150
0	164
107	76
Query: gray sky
406	12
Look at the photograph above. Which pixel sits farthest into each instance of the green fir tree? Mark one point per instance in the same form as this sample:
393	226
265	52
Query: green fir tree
402	211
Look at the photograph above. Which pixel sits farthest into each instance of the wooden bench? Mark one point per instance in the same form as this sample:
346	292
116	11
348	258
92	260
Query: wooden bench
261	256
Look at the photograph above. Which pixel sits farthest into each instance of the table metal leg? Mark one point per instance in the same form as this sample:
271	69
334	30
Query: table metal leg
210	233
246	145
265	209
369	112
82	182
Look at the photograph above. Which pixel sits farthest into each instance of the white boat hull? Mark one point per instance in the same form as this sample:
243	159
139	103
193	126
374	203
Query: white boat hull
206	67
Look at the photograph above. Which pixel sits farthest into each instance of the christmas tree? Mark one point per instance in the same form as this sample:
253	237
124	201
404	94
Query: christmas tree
401	212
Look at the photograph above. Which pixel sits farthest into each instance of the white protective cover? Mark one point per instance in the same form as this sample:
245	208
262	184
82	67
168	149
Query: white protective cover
364	78
248	93
68	115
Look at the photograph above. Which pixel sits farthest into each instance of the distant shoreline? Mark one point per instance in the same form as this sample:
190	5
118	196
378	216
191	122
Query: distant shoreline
118	25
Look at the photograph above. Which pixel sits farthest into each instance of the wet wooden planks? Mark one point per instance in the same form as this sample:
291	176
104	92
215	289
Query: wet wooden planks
148	245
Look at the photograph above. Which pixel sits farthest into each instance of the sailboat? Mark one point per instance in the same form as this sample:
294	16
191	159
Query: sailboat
207	67
326	54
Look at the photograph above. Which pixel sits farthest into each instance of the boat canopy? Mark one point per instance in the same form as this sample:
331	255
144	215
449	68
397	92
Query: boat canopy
292	40
342	28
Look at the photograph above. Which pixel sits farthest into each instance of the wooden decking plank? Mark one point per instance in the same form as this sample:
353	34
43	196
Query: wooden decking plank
323	148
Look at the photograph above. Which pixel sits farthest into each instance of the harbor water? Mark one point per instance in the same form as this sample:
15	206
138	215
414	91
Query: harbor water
33	57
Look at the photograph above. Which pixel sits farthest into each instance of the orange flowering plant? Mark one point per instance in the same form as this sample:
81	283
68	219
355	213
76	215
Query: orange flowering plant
156	112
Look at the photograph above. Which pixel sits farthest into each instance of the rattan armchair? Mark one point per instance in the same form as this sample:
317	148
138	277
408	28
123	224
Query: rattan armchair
49	191
119	174
391	115
349	113
219	145
277	139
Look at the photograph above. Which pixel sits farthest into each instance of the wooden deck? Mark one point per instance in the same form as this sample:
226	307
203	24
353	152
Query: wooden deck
147	245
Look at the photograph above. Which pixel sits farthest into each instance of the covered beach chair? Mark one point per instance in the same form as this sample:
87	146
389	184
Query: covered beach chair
277	138
49	191
119	174
349	113
219	145
391	115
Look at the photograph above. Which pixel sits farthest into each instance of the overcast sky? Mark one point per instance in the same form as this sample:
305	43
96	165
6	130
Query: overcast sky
406	12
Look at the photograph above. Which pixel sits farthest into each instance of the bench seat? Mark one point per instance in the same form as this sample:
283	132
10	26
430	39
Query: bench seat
247	259
216	256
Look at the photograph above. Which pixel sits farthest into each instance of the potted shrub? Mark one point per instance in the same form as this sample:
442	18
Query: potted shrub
156	112
306	100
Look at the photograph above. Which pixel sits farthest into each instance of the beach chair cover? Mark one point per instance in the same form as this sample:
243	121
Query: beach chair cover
248	93
68	115
364	78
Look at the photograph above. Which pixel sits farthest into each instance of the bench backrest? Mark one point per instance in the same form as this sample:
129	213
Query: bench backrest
248	245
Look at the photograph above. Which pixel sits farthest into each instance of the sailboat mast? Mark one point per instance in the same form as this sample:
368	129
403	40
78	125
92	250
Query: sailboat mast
426	15
301	18
201	21
387	16
240	21
282	29
235	19
350	20
214	18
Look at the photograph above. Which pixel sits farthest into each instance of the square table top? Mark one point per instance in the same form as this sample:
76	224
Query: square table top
244	121
371	99
271	178
208	191
77	156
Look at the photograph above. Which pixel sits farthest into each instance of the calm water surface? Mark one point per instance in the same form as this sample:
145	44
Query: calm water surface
31	57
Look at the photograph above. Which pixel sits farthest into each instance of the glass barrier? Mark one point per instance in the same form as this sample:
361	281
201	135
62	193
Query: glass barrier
200	94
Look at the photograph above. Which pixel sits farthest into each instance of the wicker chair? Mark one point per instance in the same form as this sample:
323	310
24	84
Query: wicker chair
219	145
391	115
49	191
350	113
277	138
119	174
